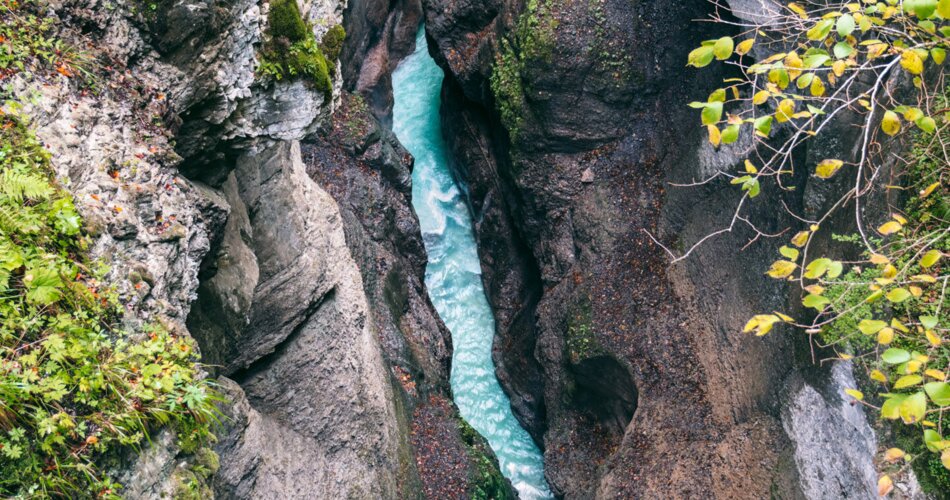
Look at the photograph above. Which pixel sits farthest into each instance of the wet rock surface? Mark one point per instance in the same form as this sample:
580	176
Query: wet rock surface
568	205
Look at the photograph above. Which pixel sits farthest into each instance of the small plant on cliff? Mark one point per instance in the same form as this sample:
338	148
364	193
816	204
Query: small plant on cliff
74	386
291	49
28	42
878	65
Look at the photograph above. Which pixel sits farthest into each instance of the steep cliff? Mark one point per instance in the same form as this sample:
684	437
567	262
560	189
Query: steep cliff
564	121
300	275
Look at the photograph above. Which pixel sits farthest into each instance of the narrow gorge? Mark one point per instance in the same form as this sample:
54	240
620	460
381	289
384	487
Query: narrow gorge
460	249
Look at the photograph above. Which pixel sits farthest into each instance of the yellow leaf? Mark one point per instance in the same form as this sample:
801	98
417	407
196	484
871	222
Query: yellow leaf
793	64
744	47
891	123
715	137
761	323
933	338
800	239
929	189
877	258
817	87
945	458
911	61
885	336
828	168
898	325
890	227
916	291
815	289
889	271
923	278
802	13
838	68
784	317
936	374
761	97
786	109
913	366
856	394
899	218
781	269
750	168
875	50
878	375
893	454
884	485
930	258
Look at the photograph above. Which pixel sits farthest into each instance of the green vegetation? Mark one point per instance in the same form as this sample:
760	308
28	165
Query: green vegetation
488	483
533	41
580	342
291	49
77	389
332	42
74	387
28	42
884	303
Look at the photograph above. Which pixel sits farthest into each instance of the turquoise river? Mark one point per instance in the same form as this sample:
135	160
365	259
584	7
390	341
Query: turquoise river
453	275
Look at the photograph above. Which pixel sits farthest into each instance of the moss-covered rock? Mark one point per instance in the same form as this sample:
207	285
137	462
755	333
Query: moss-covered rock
291	49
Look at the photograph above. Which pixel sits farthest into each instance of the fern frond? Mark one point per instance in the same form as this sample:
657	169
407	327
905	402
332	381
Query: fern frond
21	185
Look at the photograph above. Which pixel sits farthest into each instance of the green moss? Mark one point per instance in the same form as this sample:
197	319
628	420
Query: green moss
533	43
332	42
933	477
487	482
291	50
285	21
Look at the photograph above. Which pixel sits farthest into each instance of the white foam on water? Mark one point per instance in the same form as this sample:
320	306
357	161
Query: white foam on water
453	274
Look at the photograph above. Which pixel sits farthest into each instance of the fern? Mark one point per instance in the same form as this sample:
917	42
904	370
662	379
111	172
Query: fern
19	185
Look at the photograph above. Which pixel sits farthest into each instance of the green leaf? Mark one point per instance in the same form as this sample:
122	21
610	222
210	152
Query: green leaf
845	25
843	50
937	53
930	258
815	60
929	322
763	125
820	30
718	95
712	113
730	134
815	301
700	57
871	326
914	408
939	393
789	253
42	286
907	381
723	47
933	440
834	270
927	124
891	407
894	356
898	295
922	8
817	268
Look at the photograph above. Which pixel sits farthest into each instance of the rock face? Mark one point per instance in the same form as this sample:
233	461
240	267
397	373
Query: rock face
626	370
307	301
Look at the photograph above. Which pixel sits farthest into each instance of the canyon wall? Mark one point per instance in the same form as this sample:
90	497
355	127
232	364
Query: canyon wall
568	123
297	268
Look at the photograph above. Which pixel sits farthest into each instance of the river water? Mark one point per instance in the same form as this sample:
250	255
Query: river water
453	274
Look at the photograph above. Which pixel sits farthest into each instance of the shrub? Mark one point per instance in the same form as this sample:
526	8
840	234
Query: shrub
74	386
885	303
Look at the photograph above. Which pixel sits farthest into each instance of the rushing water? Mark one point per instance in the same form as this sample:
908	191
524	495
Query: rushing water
453	275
